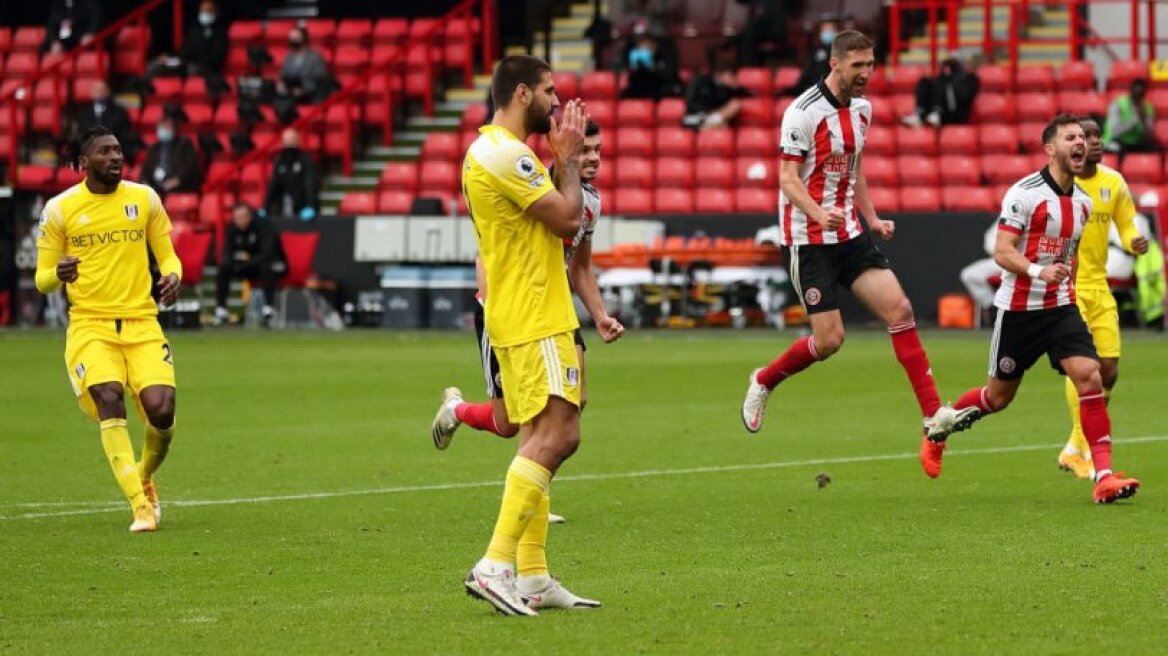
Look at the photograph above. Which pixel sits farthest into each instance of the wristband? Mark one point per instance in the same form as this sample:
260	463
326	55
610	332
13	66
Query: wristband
1033	270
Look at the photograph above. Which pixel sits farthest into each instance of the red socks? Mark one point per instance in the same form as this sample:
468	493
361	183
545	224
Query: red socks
1097	429
480	416
975	398
798	357
911	354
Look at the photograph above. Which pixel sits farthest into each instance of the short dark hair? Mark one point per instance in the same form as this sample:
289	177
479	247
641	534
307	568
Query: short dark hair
1051	129
239	204
512	71
83	145
850	41
592	129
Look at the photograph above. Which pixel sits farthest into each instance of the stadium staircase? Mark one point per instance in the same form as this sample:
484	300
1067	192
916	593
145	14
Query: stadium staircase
571	51
1050	24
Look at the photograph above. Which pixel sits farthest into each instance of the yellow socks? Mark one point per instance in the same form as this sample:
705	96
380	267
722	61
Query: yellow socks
115	439
527	482
532	555
154	450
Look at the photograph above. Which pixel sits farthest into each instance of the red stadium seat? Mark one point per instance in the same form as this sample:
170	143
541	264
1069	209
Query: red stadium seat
439	175
567	85
635	141
759	81
351	59
82	90
903	78
1076	75
441	146
903	104
755	199
675	141
916	140
674	201
632	201
386	30
21	64
635	113
878	84
757	142
199	116
883	112
885	199
780	108
918	170
400	176
1034	78
634	172
881	140
715	143
28	39
36	177
1143	168
994	108
958	139
474	116
1005	169
714	201
167	88
968	199
245	32
995	78
757	172
1159	100
603	113
1030	135
960	170
1035	106
714	172
358	202
669	111
1124	72
757	112
356	32
1081	103
997	138
129	53
276	32
394	201
786	77
675	172
182	207
598	85
881	171
1160	131
920	199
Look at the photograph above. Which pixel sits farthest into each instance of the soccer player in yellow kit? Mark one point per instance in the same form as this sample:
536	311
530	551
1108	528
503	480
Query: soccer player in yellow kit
520	221
1112	202
93	238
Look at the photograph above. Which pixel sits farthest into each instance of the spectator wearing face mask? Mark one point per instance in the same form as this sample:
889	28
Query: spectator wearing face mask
651	61
172	164
304	74
204	49
71	23
819	65
294	186
946	99
105	111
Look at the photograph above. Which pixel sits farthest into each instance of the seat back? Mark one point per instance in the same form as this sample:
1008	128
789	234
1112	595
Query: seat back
191	248
299	253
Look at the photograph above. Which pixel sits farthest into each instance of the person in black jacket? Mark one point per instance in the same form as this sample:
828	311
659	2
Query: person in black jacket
252	250
294	186
204	47
172	164
713	101
71	23
105	111
946	99
819	65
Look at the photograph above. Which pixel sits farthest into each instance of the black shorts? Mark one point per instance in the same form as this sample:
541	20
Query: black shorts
1021	337
818	270
487	354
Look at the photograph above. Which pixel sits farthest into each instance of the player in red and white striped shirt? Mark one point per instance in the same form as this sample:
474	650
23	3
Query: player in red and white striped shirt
1038	233
824	244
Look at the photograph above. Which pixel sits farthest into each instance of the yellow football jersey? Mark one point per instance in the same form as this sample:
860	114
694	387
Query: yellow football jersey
528	297
110	234
1111	201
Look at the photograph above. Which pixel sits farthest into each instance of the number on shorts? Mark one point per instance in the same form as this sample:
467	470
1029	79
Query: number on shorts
168	358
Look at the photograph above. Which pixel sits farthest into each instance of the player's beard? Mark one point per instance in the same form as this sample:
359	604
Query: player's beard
108	177
538	120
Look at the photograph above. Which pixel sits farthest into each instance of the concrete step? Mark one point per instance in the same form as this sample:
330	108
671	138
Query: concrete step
409	137
435	123
354	183
331	197
366	168
393	153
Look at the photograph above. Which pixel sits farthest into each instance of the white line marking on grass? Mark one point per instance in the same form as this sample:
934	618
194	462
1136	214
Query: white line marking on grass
95	508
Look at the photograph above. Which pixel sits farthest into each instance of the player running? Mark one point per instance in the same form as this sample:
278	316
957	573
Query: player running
93	237
1111	201
520	220
825	246
491	416
1043	217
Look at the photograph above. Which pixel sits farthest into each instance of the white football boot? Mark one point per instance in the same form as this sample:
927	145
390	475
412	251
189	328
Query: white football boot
754	405
446	422
496	586
546	592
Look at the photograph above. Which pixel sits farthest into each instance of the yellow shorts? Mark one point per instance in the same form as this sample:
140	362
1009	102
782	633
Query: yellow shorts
534	371
1102	318
133	352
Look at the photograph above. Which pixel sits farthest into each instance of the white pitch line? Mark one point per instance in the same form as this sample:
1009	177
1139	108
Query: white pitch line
648	473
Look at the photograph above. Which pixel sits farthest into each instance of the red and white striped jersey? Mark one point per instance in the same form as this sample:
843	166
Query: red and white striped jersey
1049	221
826	138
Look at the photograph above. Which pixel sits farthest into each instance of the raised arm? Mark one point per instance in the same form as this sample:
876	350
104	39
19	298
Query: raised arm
561	208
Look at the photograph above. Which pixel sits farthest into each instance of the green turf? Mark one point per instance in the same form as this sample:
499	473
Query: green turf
1002	554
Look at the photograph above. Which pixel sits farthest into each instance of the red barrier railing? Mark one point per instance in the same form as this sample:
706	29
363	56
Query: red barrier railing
20	97
1079	35
388	68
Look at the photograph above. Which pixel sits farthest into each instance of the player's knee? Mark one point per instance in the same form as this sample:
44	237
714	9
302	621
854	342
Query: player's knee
902	312
568	445
109	399
999	400
1088	381
829	343
159	407
506	428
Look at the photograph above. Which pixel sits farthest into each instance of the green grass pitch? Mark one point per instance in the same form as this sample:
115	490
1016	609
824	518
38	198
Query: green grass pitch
306	510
